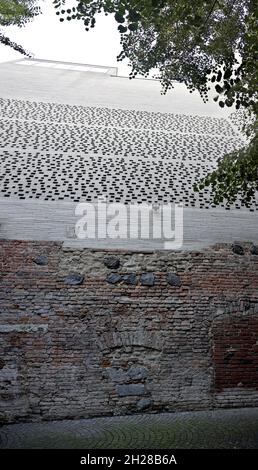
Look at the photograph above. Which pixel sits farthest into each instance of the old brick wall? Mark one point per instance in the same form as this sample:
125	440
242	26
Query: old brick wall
112	340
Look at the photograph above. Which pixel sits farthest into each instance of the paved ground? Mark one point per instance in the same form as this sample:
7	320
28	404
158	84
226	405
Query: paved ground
234	429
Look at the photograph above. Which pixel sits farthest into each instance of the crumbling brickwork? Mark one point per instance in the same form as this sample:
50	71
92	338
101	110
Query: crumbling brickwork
91	333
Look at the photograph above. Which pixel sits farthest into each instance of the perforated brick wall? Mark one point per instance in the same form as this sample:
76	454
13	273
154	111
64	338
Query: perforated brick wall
55	152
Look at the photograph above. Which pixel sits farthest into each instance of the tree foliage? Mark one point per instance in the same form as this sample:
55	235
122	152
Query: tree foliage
16	13
205	44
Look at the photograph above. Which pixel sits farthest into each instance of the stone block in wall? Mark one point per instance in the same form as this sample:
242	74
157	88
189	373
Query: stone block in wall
111	262
173	279
136	372
143	404
147	279
131	390
113	278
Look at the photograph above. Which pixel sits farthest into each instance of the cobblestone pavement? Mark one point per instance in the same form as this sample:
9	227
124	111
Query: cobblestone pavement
205	429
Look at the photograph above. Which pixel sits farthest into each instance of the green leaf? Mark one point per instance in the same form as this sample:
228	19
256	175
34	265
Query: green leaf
133	26
122	28
119	18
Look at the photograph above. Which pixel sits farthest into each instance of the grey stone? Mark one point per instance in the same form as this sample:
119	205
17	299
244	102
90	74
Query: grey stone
138	372
28	328
173	279
147	279
254	250
143	403
74	279
131	389
130	279
41	260
116	375
112	262
21	274
113	278
237	249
